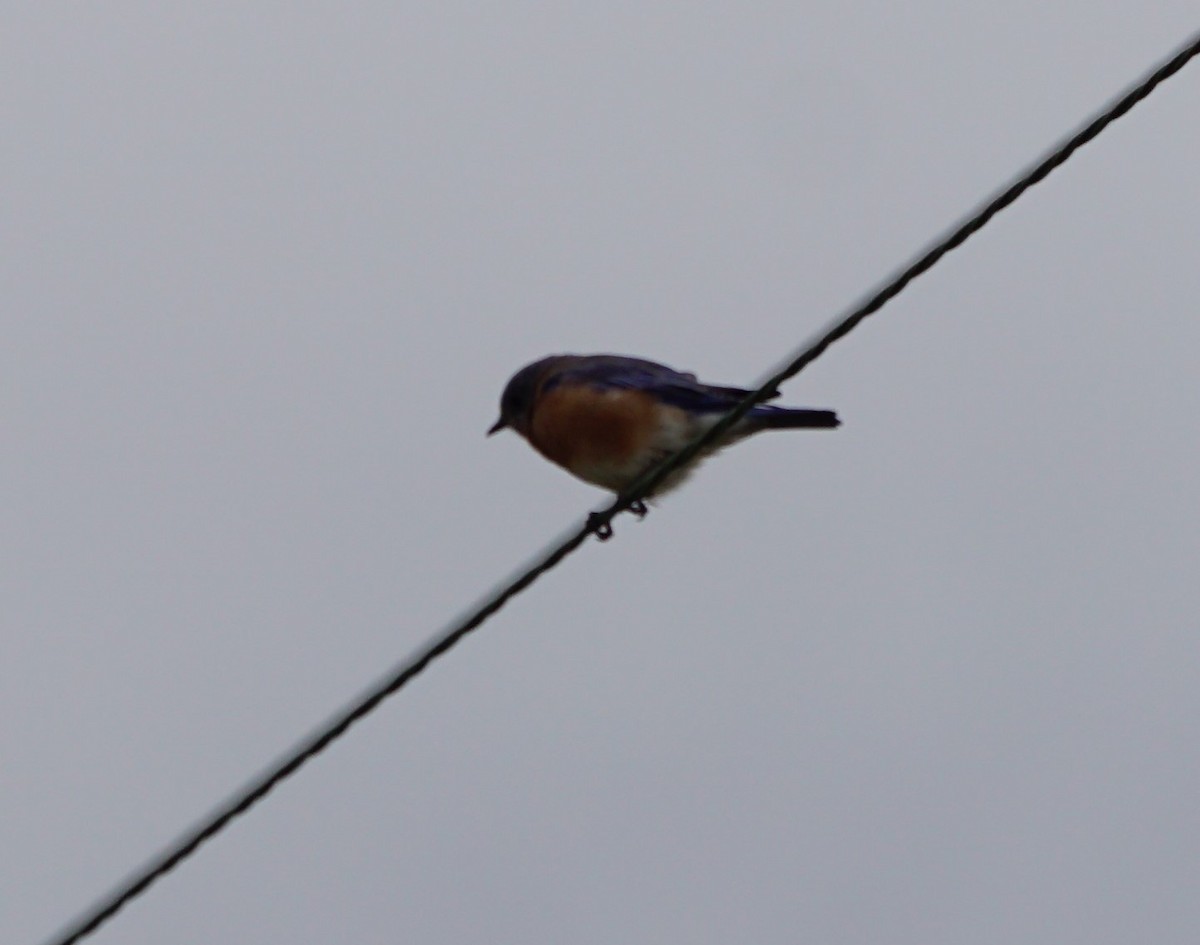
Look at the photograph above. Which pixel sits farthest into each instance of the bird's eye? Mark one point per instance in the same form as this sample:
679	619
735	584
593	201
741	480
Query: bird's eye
515	404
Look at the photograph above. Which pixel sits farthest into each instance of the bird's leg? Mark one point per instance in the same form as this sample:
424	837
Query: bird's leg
638	508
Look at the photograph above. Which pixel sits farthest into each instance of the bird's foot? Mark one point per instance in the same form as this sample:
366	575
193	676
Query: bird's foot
603	529
600	528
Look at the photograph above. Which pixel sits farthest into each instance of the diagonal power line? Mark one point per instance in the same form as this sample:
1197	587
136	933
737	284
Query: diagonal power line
599	523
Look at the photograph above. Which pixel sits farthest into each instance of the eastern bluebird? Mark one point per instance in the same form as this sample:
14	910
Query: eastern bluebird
607	419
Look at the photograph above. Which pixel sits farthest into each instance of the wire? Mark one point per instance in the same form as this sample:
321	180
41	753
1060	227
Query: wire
599	523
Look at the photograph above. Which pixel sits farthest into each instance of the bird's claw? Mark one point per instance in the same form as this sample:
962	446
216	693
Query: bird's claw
603	529
600	528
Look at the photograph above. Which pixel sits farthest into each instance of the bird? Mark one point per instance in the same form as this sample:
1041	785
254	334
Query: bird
607	419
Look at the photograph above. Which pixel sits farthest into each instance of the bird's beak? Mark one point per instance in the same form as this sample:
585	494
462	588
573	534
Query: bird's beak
497	426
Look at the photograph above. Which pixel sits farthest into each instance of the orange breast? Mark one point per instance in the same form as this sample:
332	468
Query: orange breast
587	427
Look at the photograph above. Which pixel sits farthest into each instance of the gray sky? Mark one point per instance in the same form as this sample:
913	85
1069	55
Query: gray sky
932	678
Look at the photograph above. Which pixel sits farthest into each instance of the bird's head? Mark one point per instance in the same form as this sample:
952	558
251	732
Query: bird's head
516	403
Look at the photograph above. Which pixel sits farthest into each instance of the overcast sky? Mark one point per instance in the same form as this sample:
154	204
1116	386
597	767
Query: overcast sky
264	270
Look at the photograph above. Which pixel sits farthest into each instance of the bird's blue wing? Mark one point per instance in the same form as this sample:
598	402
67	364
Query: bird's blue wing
671	386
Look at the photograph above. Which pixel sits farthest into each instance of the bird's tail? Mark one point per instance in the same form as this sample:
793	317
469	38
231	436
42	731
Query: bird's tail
765	417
